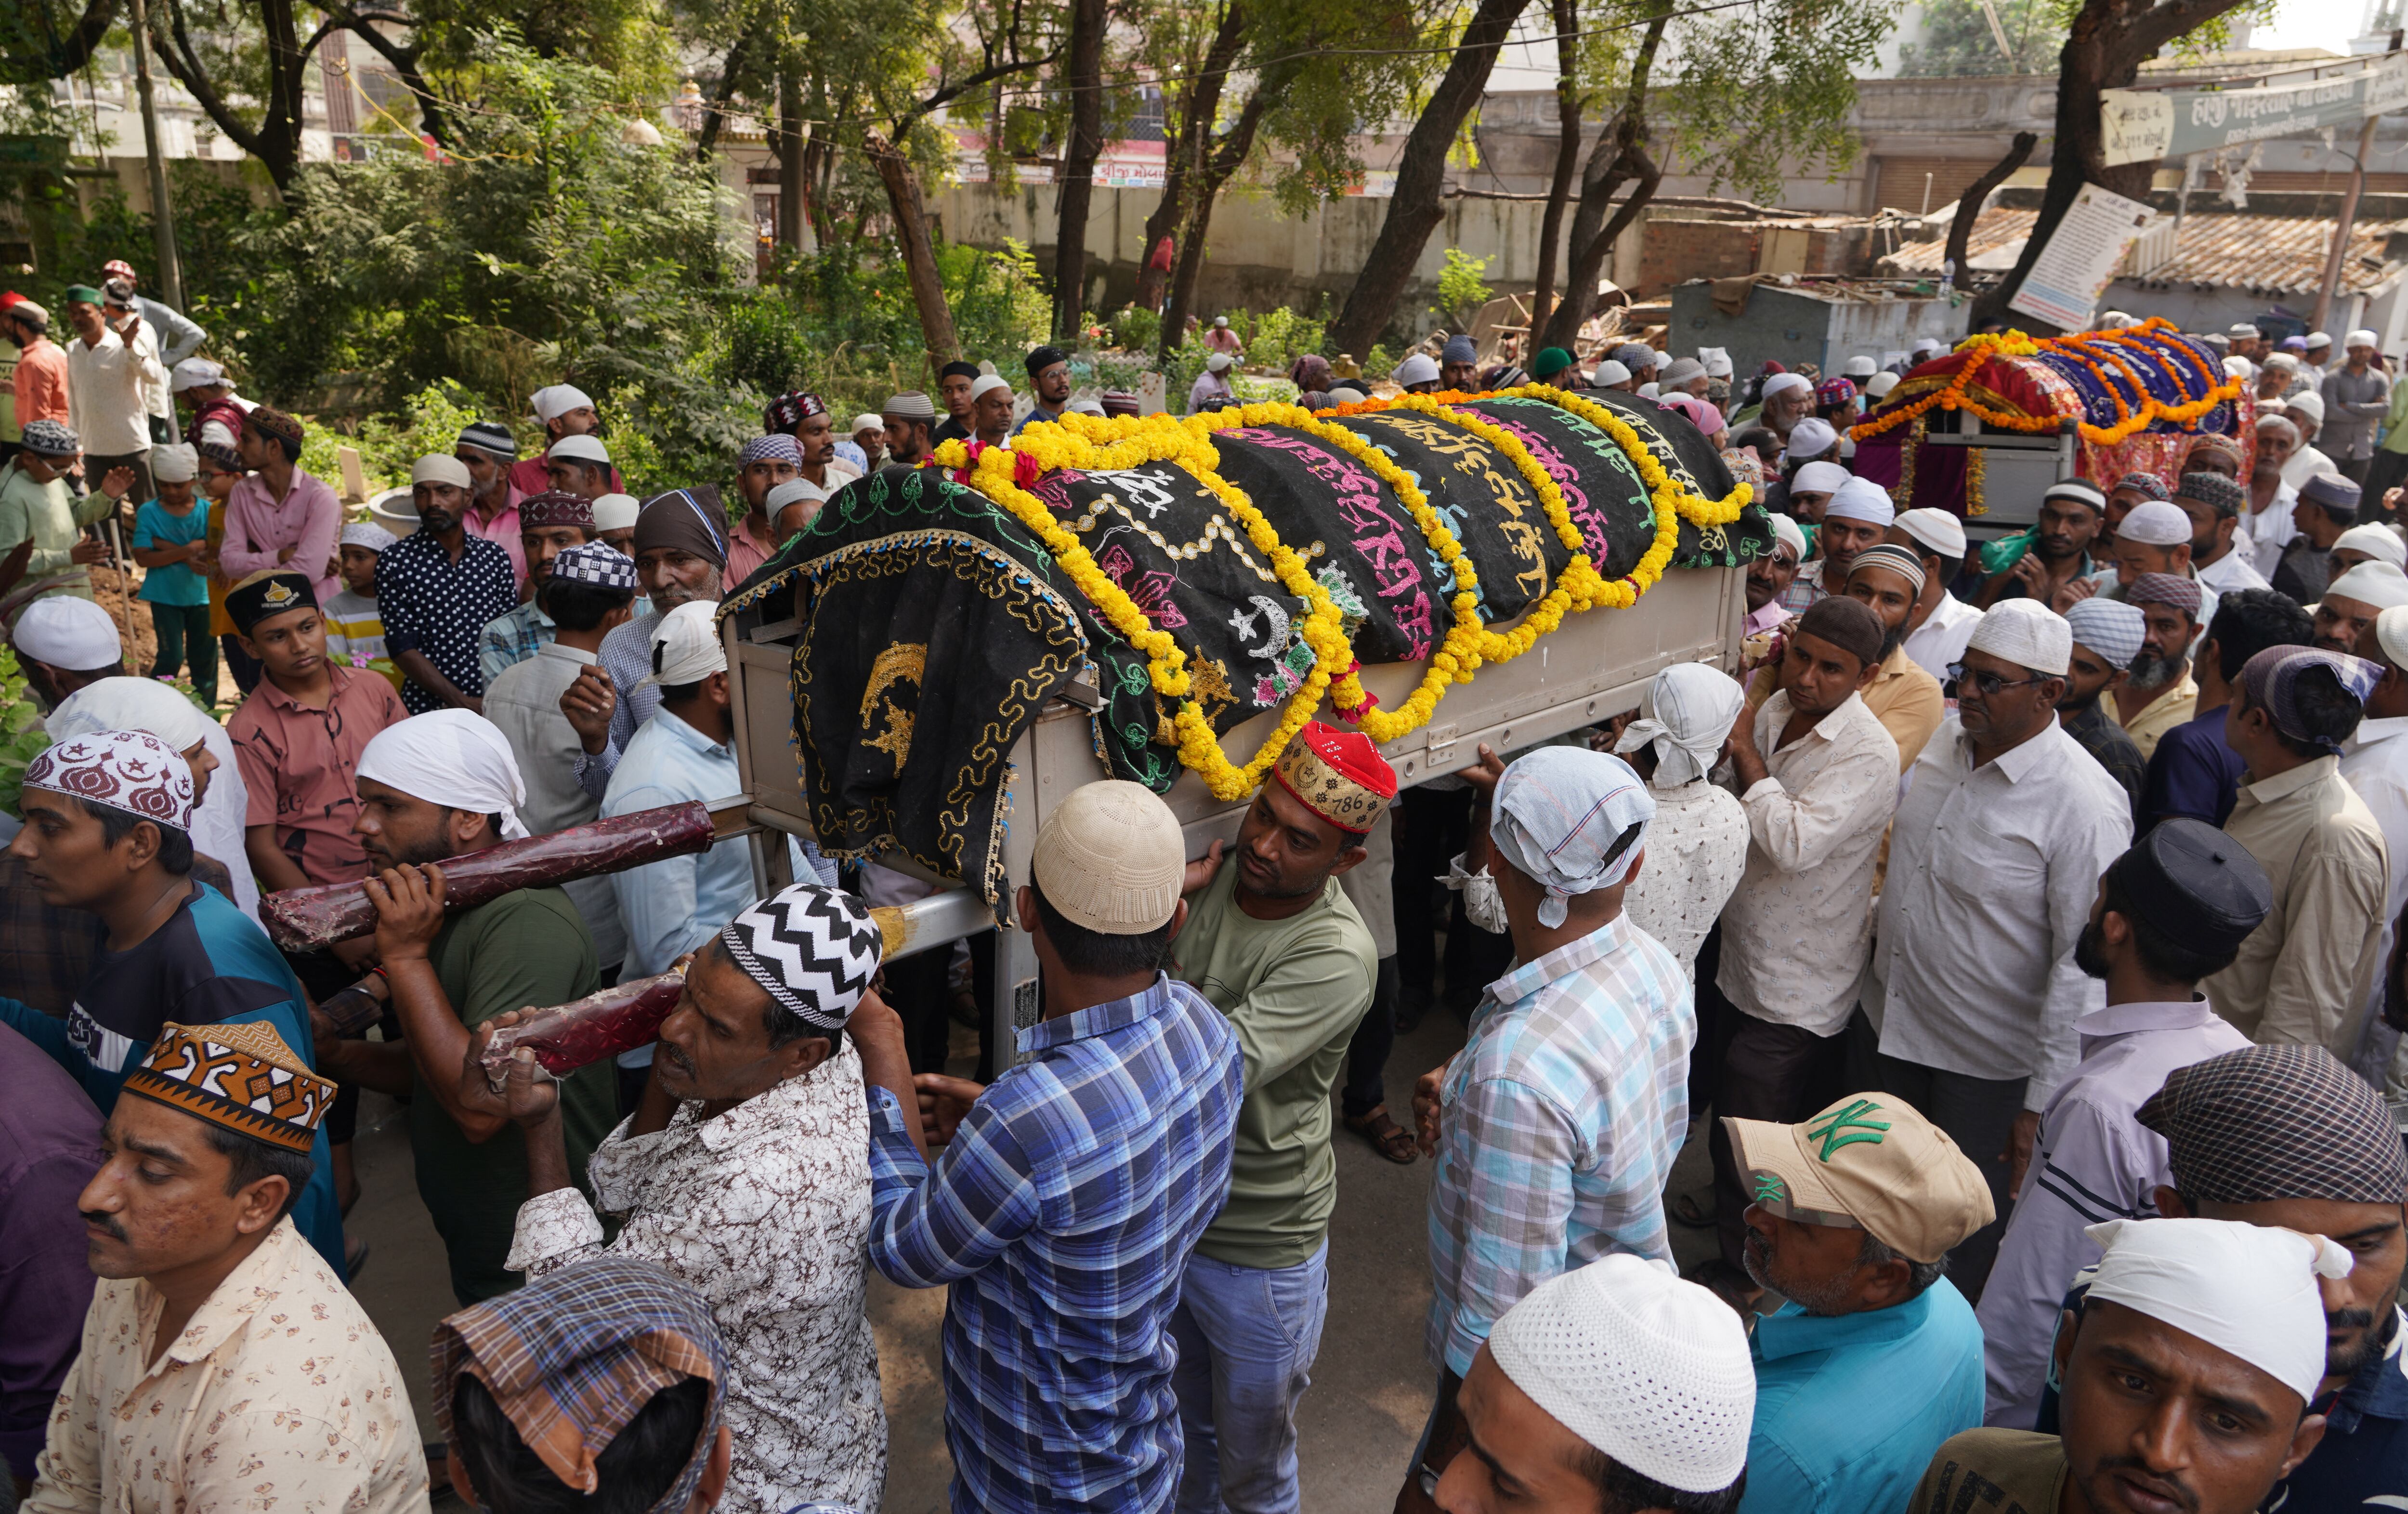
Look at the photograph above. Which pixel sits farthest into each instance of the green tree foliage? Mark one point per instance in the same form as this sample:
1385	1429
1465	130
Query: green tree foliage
1461	291
1958	42
542	246
1754	88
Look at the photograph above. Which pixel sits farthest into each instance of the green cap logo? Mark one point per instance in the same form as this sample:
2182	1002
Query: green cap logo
1769	1189
1846	1126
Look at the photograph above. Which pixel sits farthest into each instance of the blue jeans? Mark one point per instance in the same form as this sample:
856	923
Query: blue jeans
1247	1337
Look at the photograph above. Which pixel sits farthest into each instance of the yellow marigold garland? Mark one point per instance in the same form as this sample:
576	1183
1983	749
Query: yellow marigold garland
1090	444
1956	395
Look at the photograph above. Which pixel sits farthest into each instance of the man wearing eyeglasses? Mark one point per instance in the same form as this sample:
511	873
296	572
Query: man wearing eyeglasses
1995	859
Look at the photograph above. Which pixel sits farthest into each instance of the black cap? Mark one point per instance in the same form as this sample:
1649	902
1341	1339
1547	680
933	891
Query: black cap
959	370
1045	357
267	593
2193	883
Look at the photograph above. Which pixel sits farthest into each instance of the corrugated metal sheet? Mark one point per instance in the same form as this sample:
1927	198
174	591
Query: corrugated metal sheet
2270	254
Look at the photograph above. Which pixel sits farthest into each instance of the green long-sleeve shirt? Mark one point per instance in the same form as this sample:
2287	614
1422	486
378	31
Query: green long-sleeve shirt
52	515
1293	991
2395	426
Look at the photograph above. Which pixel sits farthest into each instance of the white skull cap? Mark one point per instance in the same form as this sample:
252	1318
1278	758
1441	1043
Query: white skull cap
1649	1369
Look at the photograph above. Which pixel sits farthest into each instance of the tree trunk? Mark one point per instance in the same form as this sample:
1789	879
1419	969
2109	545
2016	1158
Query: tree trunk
2104	48
1229	154
1969	206
1588	258
1185	157
1620	156
794	178
1421	174
276	142
902	184
1076	189
1568	117
62	55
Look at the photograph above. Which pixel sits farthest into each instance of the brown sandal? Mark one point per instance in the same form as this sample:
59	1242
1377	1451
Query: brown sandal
1388	1138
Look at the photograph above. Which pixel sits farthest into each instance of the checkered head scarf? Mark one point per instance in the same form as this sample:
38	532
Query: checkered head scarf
574	1356
597	563
2270	681
2277	1123
813	948
777	448
1572	821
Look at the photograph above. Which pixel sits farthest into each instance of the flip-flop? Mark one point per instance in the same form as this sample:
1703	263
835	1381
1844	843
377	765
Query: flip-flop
355	1256
1388	1138
1686	1210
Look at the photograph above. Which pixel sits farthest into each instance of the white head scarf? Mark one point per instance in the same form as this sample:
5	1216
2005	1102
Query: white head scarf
452	757
1695	705
130	704
2247	1289
1571	820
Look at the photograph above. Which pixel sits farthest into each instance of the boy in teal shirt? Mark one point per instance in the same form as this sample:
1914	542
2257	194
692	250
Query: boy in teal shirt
171	542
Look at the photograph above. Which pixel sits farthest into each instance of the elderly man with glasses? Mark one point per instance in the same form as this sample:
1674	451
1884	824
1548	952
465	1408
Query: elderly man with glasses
1995	859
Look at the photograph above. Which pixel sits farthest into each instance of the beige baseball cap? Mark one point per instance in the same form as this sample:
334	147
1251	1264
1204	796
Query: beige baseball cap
1870	1163
1110	857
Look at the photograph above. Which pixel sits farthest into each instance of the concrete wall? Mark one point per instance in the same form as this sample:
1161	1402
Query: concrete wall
1257	257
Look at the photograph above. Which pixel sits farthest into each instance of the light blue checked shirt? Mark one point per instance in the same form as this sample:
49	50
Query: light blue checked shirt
1562	1115
1062	1213
513	638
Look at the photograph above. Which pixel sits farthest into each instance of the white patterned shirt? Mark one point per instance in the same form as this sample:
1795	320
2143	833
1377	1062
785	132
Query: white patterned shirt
1695	846
765	1211
1797	930
279	1395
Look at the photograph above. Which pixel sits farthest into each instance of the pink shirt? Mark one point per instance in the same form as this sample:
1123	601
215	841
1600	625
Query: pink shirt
308	519
41	383
502	531
744	555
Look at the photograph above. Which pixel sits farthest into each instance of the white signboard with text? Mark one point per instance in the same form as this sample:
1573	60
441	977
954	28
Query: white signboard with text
2080	257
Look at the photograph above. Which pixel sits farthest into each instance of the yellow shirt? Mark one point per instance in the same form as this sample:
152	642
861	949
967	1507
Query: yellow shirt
279	1381
2161	714
1908	703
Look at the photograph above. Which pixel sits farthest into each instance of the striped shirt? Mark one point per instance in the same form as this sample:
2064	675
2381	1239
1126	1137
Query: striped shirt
1561	1117
1062	1213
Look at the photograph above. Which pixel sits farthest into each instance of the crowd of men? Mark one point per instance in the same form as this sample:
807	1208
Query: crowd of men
2025	919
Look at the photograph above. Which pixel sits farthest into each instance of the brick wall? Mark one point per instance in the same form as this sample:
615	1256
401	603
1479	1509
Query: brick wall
1673	253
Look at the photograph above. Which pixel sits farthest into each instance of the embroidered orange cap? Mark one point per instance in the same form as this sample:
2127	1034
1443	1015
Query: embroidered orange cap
241	1077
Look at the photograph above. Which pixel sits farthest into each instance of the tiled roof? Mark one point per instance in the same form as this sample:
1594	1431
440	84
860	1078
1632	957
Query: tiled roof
2266	254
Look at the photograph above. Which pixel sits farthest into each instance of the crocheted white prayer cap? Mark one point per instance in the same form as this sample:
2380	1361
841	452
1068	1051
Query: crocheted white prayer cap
1649	1369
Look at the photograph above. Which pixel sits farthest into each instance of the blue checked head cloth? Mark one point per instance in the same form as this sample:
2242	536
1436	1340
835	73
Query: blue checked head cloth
1571	820
597	563
2110	627
2271	679
813	948
2275	1123
780	447
574	1356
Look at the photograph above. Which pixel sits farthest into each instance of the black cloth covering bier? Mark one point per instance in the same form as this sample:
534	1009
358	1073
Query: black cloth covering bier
932	625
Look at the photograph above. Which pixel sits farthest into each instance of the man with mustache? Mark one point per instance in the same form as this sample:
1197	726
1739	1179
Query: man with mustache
109	818
1855	1211
680	552
2328	1163
2170	912
745	1173
2158	692
1274	942
2053	554
438	587
222	1357
2189	1381
435	787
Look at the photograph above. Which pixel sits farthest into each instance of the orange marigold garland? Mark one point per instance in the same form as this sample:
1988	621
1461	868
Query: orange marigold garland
2084	347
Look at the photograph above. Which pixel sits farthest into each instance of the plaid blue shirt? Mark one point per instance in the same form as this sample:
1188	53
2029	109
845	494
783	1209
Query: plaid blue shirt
513	638
1062	1213
1561	1118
